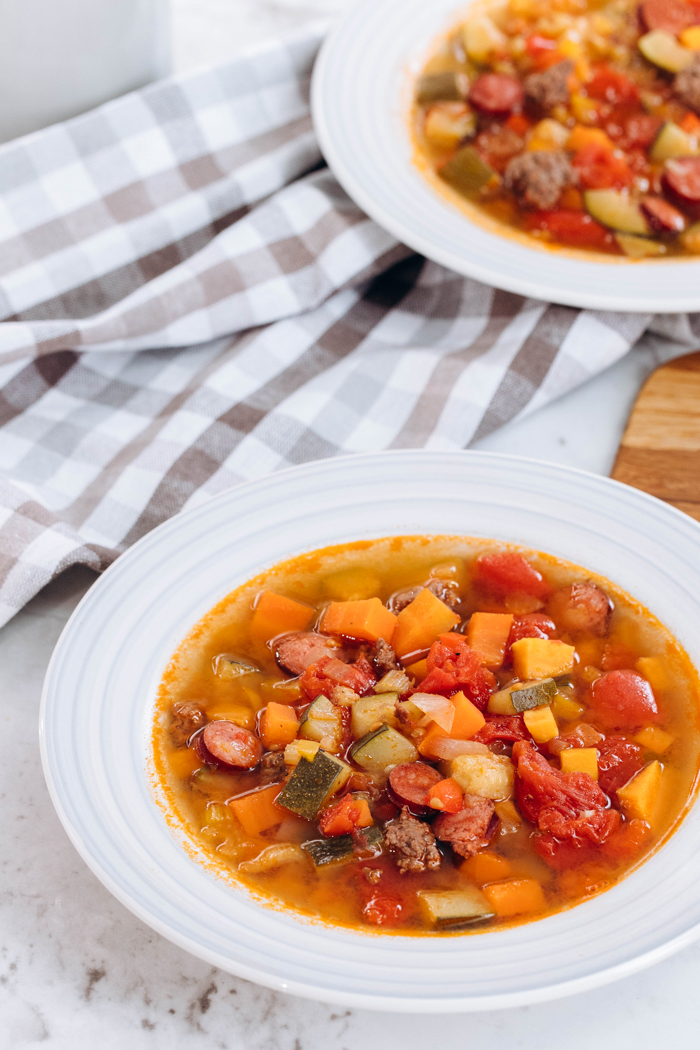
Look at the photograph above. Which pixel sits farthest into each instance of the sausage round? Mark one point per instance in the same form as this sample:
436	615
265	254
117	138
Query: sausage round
581	607
671	15
295	652
231	745
409	784
496	93
470	829
682	178
662	216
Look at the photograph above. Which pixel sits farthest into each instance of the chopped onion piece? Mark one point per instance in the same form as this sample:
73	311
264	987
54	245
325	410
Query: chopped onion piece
440	709
226	665
444	748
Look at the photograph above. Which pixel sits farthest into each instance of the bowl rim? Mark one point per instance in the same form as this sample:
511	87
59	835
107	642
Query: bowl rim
383	1003
322	89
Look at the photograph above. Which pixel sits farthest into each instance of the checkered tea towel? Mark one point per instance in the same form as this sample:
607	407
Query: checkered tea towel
188	299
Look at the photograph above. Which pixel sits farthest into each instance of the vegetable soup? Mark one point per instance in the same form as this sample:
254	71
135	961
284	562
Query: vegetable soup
576	122
423	734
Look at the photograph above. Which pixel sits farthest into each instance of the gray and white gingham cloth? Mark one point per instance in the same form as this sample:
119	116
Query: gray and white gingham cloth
188	299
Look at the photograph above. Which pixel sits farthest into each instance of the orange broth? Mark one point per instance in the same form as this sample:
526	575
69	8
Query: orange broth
354	892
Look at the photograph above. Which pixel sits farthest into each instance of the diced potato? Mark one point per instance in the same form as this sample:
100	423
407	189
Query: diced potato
448	123
509	818
344	697
452	907
548	135
273	857
352	585
488	775
300	749
654	739
541	724
370	712
239	714
584	109
541	658
566	708
580	760
482	38
639	795
655	670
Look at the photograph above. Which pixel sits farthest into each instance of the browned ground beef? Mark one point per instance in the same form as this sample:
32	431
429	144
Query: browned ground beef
439	588
413	844
687	85
384	657
186	720
538	178
550	88
272	766
468	830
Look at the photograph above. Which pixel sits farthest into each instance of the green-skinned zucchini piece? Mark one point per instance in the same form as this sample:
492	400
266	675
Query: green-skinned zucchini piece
564	681
382	748
312	784
322	720
341	847
372	711
453	909
639	247
533	694
662	48
616	210
672	141
442	87
466	172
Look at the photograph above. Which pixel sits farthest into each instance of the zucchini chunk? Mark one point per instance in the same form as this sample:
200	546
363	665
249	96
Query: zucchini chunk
453	909
672	141
639	247
381	748
322	721
616	210
372	711
325	851
533	694
312	783
442	87
662	49
466	172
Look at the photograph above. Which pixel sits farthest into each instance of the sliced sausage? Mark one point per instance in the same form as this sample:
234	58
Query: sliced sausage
496	94
662	216
671	15
581	608
231	745
471	828
409	784
295	652
681	179
686	85
412	843
186	720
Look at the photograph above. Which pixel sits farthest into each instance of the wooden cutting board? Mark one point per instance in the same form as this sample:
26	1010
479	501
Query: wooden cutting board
660	449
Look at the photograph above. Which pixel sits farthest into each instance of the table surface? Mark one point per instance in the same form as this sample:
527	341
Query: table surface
77	970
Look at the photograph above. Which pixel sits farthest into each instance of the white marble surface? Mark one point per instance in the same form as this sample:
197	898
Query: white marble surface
78	971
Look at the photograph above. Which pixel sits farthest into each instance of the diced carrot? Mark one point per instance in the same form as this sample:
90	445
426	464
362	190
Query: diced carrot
279	725
435	732
446	795
571	199
582	136
184	762
485	867
274	614
691	123
488	633
419	669
345	816
421	622
518	123
257	811
468	719
366	620
240	714
515	896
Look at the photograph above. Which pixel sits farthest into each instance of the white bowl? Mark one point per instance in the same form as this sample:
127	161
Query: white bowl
101	684
361	100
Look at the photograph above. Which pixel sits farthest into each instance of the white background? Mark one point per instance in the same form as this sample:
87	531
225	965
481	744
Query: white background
79	972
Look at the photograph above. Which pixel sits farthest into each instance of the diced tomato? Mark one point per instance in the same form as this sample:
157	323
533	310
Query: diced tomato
564	854
629	839
618	760
600	169
530	625
454	666
566	807
622	700
641	129
323	676
446	796
382	910
537	45
509	573
502	727
345	816
518	123
609	85
572	227
691	123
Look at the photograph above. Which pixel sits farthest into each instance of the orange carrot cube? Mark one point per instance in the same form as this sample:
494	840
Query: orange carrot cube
446	796
279	725
421	622
367	620
488	634
515	897
257	811
274	614
485	867
468	719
